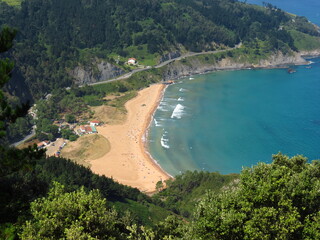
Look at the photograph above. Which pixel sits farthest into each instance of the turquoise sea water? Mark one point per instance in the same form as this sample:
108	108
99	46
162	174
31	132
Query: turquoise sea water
225	120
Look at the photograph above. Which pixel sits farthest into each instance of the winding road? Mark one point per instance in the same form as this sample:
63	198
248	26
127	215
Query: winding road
129	74
189	54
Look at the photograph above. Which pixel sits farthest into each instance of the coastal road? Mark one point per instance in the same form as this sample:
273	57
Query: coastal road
26	138
189	54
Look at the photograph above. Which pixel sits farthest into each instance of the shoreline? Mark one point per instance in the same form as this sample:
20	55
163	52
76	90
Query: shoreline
144	136
178	71
128	161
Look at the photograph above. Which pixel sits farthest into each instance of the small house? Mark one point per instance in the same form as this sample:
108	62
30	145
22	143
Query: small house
132	61
82	129
41	145
87	129
94	123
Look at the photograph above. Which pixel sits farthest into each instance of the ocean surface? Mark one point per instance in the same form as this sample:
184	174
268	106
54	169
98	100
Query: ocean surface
307	8
227	120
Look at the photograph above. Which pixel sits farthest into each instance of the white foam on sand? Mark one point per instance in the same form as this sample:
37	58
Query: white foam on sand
178	111
164	142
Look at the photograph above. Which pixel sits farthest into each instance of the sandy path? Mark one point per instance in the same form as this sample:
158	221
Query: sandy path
127	161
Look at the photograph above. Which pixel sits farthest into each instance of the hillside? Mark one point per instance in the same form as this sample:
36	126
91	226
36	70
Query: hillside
62	41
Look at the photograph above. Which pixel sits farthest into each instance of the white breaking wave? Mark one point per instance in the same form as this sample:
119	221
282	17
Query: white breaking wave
180	99
183	90
164	142
191	78
163	106
156	123
178	111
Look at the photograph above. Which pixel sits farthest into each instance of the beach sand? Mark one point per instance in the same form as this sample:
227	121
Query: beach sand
127	161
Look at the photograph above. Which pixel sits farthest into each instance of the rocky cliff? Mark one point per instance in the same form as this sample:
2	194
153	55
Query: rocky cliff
97	72
194	66
169	56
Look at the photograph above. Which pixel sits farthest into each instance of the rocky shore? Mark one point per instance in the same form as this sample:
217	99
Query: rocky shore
194	66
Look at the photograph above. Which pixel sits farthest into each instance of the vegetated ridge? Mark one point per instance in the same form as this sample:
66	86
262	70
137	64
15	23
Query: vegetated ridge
77	42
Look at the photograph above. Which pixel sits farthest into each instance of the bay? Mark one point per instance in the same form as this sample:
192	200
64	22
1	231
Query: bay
226	120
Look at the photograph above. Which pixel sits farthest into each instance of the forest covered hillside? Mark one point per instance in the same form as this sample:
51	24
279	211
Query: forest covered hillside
59	40
54	198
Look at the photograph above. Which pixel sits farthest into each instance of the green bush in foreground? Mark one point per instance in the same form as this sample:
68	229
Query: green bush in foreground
272	201
74	215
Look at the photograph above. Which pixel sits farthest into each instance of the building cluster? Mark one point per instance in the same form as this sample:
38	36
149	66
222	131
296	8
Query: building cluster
88	129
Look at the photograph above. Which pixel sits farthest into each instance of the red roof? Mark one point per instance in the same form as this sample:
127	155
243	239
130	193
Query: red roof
95	121
88	129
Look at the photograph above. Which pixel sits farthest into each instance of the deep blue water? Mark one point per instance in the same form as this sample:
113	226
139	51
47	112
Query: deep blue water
307	8
225	120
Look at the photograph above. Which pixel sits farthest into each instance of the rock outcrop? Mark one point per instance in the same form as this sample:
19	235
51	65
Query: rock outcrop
169	56
194	66
95	73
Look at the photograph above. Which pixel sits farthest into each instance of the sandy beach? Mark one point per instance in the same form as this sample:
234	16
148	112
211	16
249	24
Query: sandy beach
128	162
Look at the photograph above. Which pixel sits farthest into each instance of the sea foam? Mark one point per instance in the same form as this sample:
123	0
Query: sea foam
178	111
180	99
163	106
156	123
183	90
164	142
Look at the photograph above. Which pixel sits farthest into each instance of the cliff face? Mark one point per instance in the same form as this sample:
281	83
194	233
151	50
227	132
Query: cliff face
96	73
169	56
194	66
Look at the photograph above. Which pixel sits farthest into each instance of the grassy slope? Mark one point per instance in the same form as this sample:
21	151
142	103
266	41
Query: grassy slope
87	147
13	2
305	42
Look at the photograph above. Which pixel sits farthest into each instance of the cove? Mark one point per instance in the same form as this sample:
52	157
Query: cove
227	120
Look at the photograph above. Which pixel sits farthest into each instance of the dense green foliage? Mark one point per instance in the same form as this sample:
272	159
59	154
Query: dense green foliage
182	193
74	215
56	36
269	201
272	201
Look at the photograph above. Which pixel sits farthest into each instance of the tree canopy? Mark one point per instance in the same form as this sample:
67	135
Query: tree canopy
280	200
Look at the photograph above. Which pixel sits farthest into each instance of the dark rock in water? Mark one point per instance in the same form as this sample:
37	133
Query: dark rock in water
291	70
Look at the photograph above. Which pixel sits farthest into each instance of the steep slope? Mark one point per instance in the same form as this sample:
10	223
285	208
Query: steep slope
57	38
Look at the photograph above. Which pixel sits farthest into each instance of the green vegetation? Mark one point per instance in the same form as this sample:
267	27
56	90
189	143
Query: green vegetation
303	41
89	218
14	3
182	194
142	55
268	201
51	45
271	201
52	198
69	134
